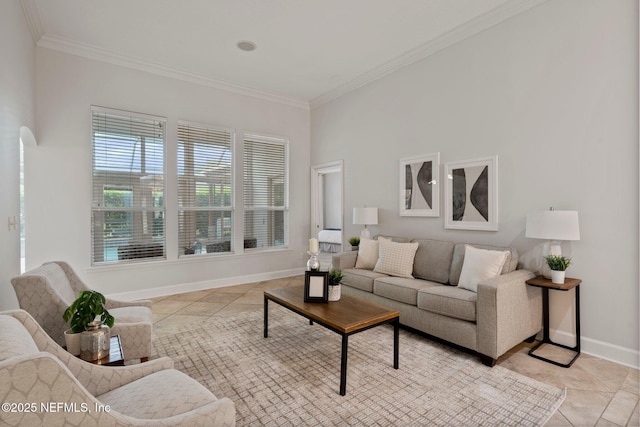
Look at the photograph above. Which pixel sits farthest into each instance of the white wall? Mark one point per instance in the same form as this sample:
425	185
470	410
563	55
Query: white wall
554	93
59	170
17	108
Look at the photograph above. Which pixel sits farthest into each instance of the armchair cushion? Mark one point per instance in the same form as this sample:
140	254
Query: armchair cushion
142	398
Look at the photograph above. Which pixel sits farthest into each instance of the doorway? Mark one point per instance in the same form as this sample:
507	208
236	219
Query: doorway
327	212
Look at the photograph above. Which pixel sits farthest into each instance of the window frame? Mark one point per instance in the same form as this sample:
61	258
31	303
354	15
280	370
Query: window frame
143	244
228	210
253	137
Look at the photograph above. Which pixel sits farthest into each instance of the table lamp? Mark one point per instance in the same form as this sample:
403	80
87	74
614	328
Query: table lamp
365	216
552	226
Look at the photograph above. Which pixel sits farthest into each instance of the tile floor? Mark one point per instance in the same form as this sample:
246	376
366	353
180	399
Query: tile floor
599	392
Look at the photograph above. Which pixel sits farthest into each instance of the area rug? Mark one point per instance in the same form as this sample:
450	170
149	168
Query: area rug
293	377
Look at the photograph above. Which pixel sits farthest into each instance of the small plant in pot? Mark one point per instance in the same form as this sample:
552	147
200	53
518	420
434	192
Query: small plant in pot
335	278
354	242
81	315
558	265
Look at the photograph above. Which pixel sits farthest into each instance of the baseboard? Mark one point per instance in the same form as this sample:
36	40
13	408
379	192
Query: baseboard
207	284
603	350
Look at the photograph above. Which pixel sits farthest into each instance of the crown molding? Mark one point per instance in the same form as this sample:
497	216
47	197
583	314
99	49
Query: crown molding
91	52
452	37
481	23
32	16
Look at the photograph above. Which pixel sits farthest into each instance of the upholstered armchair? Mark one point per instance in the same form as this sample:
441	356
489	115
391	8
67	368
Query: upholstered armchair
46	292
43	385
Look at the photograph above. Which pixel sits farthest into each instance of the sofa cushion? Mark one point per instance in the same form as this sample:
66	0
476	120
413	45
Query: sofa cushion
480	264
458	260
449	301
360	279
433	260
396	259
400	289
16	339
367	254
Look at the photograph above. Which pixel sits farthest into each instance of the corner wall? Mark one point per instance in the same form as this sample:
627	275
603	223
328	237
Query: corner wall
554	93
17	108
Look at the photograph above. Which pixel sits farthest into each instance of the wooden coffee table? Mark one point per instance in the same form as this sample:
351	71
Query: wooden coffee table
345	317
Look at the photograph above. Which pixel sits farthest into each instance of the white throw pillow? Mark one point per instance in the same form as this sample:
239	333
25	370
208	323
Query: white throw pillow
396	259
480	264
367	254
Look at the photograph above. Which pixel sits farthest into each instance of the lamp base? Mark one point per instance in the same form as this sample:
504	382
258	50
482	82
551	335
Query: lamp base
365	234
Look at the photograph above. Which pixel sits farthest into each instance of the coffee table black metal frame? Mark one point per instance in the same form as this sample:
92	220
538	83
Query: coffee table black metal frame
395	321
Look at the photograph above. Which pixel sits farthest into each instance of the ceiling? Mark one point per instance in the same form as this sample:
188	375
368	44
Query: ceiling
308	51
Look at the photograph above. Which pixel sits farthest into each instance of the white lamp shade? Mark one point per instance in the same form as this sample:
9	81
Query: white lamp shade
366	216
553	225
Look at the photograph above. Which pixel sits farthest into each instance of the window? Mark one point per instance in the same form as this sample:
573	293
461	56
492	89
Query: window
266	181
128	208
205	191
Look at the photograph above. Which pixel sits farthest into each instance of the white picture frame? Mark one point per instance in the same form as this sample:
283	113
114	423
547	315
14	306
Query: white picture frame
471	194
419	187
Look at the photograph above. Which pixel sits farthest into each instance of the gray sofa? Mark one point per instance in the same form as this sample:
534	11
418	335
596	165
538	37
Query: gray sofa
502	313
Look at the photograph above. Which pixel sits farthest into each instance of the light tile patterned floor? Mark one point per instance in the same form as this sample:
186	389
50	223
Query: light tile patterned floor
599	392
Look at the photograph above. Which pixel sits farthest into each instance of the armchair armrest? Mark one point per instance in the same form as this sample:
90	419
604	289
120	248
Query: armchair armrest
344	260
508	312
39	378
97	379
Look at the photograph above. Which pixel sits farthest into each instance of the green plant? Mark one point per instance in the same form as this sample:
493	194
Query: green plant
558	262
354	241
84	310
335	277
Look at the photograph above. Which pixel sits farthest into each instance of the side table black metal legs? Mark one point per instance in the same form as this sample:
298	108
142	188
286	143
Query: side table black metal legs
546	285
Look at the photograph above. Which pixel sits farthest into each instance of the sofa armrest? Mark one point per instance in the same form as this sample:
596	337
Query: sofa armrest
344	260
508	312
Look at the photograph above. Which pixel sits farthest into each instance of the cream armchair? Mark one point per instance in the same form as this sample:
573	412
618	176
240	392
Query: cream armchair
46	292
43	385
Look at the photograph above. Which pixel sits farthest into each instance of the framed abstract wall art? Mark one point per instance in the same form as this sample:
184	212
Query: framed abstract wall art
419	189
471	194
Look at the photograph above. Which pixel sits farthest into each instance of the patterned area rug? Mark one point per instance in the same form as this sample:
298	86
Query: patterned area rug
293	377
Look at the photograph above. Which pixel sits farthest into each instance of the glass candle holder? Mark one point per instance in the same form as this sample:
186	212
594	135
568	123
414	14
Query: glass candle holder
313	264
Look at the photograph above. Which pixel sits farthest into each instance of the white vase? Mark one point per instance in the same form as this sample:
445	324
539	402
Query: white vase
557	277
72	341
334	292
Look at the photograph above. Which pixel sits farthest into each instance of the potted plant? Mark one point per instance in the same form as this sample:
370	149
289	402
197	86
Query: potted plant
335	278
558	265
354	242
82	312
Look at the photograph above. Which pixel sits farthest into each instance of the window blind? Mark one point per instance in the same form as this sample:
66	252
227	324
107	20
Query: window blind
266	187
205	189
128	208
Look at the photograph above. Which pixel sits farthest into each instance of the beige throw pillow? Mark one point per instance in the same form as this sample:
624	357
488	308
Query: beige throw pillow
396	259
480	264
367	254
